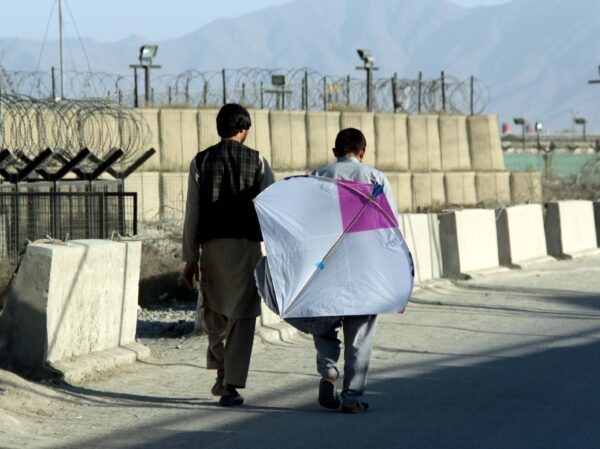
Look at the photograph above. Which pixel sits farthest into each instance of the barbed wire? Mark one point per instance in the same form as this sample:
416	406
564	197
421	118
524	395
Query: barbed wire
304	88
30	124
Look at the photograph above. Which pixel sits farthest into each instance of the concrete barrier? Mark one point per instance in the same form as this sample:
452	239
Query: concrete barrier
366	123
391	141
484	143
178	138
288	140
321	130
460	188
147	187
570	229
73	307
521	235
493	188
207	128
424	143
259	137
151	118
428	191
401	185
421	233
469	242
526	187
454	143
173	194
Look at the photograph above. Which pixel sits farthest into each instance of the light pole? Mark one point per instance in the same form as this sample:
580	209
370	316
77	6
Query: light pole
582	122
278	83
369	65
147	53
521	121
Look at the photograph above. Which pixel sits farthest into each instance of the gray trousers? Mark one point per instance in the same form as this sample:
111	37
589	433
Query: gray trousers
229	346
359	332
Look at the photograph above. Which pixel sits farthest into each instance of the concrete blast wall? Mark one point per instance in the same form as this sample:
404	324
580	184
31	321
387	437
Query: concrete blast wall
424	143
484	143
526	187
147	187
521	236
421	233
321	130
73	303
178	131
151	117
391	141
288	140
460	189
493	188
454	145
401	185
173	194
570	228
428	191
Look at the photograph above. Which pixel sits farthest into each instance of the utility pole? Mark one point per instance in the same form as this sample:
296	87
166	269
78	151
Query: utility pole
60	38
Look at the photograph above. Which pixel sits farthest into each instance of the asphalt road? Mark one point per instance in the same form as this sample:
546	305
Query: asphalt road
511	360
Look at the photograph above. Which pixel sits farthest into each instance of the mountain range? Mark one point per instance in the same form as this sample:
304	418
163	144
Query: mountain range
536	56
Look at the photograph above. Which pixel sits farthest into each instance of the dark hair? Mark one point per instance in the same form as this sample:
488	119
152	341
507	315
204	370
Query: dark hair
349	140
231	119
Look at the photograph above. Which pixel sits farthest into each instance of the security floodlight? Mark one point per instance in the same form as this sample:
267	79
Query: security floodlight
147	53
583	122
366	56
278	80
539	127
519	121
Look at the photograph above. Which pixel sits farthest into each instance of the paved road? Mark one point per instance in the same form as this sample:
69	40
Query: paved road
507	361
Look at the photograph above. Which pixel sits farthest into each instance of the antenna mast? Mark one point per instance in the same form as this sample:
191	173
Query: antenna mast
60	33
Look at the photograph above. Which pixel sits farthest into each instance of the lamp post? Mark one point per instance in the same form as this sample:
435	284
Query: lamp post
539	127
369	65
582	122
278	83
147	53
521	121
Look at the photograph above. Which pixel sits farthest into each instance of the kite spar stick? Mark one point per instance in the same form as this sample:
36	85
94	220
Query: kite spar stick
376	191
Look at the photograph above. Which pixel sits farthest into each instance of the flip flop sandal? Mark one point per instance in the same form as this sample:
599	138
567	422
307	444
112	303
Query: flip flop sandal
328	396
355	407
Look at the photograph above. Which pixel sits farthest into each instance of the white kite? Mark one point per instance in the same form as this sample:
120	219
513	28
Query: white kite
333	249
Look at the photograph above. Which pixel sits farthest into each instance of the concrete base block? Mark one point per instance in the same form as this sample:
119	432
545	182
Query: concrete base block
428	191
173	194
151	117
288	140
178	138
454	144
365	121
421	233
391	141
521	236
469	242
424	142
259	137
276	333
321	130
526	187
493	188
70	301
570	229
460	188
147	187
401	184
484	143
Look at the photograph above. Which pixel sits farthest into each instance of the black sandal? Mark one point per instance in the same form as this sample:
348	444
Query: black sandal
328	396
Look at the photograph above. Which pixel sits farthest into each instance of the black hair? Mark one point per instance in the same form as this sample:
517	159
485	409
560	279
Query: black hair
231	119
349	140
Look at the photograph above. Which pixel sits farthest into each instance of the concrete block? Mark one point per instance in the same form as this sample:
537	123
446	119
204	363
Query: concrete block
428	191
288	140
259	137
129	135
70	301
365	121
570	228
526	187
391	141
207	128
421	233
424	143
484	142
178	138
454	143
493	188
321	131
401	185
521	235
173	195
469	242
147	187
460	188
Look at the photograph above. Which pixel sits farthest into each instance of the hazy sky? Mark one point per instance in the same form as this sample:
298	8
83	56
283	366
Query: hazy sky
112	20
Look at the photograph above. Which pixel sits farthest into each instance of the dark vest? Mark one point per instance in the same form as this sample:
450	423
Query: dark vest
229	179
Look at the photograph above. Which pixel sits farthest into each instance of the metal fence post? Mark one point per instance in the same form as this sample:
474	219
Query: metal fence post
224	86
